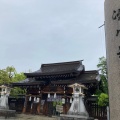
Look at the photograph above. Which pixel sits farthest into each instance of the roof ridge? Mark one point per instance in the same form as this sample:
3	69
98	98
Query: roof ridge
91	71
59	63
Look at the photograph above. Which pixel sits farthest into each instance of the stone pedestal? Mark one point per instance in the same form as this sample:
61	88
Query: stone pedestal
74	117
78	108
112	32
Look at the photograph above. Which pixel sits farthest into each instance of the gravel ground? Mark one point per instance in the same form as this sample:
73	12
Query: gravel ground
29	117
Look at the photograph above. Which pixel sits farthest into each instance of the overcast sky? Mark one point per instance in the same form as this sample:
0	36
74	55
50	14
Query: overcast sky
33	32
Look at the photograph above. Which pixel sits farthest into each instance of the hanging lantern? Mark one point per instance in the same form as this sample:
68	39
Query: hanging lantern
63	100
37	100
70	100
64	89
30	98
34	99
48	95
31	105
54	95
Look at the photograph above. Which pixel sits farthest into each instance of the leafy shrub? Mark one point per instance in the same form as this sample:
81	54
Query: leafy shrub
17	91
103	99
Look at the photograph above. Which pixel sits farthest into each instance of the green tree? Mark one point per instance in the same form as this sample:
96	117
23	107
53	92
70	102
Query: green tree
102	66
19	77
7	75
103	99
11	71
4	77
17	91
10	75
103	84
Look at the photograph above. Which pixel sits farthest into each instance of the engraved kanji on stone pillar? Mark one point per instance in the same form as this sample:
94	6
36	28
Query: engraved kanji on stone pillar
119	52
116	16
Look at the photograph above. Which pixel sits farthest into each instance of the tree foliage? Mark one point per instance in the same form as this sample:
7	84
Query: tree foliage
103	99
4	77
11	71
19	77
103	84
102	66
17	91
10	75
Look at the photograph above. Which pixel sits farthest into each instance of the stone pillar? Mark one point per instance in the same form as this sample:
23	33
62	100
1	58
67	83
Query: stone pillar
112	35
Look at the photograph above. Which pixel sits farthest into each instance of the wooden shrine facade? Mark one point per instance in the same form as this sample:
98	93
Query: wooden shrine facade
50	83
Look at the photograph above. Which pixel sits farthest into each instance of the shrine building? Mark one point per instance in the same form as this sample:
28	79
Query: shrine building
49	85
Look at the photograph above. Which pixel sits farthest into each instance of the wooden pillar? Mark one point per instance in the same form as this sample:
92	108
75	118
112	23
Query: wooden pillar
31	107
39	105
64	106
25	104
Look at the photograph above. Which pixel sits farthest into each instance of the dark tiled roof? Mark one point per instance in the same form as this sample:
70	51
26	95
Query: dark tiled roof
89	75
28	81
65	66
86	77
58	68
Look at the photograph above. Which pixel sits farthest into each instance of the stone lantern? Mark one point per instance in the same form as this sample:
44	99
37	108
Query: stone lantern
78	107
77	110
78	88
4	92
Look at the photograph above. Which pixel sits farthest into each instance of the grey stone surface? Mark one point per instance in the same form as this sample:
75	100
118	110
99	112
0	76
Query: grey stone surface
29	117
74	117
113	60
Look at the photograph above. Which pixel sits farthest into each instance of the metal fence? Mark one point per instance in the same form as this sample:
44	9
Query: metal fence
96	111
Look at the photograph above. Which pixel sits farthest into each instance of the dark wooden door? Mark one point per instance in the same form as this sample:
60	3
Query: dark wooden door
50	109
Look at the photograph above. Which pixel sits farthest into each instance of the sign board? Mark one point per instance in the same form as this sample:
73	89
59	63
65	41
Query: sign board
59	108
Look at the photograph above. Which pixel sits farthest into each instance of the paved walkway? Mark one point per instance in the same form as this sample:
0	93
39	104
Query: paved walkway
29	117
